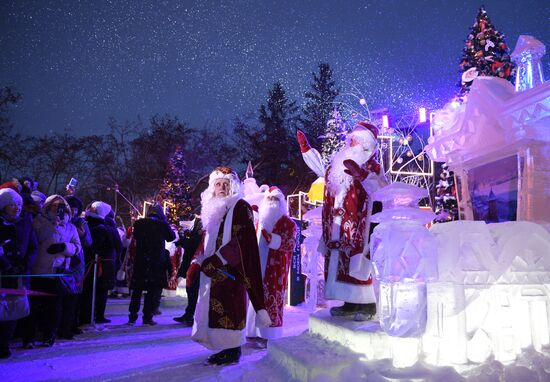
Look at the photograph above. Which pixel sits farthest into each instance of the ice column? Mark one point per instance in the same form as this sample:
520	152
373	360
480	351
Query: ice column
404	254
527	55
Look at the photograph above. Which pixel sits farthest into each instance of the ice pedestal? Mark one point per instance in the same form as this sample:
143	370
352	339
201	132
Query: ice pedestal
403	253
402	308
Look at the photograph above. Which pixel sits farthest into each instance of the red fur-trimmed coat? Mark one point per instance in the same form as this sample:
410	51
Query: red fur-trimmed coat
354	212
277	265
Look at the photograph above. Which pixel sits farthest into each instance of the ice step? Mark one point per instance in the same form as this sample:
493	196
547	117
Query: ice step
307	357
365	338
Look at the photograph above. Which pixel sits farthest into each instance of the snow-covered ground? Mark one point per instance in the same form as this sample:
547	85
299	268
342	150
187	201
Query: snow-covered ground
166	353
116	351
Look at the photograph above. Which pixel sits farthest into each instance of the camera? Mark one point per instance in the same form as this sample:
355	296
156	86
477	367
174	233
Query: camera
61	211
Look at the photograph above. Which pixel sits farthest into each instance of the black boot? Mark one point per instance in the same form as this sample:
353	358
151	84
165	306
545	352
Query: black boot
348	309
225	357
185	320
364	312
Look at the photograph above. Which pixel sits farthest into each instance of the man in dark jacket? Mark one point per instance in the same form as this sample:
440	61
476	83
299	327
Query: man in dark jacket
105	242
152	263
189	241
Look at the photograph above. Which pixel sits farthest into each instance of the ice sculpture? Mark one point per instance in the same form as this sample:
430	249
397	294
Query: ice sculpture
403	253
527	55
313	263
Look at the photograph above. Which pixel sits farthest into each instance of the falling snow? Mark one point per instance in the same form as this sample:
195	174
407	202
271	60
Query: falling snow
210	61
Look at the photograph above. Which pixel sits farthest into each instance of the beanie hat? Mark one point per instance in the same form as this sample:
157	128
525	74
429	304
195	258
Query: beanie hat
98	210
75	202
9	196
38	197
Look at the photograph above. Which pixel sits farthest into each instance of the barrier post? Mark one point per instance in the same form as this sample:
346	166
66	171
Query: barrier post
92	318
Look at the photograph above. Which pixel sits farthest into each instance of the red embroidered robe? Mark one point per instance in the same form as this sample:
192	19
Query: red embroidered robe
221	309
276	265
344	236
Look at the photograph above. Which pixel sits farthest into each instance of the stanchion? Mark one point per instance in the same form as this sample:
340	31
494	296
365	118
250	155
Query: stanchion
94	280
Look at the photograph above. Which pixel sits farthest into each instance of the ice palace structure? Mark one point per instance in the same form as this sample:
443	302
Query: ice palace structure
463	293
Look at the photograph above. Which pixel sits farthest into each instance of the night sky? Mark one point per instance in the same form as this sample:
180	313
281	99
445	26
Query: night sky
77	63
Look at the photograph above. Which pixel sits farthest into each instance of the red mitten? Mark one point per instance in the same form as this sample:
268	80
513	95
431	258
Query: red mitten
192	274
266	235
373	166
210	265
254	208
356	171
302	141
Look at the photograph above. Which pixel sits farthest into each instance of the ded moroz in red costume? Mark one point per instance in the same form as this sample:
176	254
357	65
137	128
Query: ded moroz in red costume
227	281
346	215
276	234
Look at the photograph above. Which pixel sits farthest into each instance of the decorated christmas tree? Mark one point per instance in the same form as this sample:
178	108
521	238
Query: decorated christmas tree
485	54
446	205
175	188
333	136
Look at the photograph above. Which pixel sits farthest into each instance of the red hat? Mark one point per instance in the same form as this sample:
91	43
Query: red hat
364	125
274	191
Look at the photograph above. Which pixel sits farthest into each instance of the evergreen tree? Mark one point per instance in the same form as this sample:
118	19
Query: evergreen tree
485	54
175	188
332	140
319	105
278	118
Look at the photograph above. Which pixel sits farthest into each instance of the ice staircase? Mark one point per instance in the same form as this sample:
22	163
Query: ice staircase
334	343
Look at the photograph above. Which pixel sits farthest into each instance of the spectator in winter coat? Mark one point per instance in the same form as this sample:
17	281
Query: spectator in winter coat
73	296
152	263
110	222
18	249
58	242
105	242
39	199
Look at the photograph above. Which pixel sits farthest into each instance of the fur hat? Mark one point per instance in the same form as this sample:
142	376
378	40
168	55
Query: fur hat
9	196
13	184
52	198
274	191
365	133
224	172
98	210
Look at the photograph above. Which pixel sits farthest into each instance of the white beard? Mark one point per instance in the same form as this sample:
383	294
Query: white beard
338	180
213	210
269	214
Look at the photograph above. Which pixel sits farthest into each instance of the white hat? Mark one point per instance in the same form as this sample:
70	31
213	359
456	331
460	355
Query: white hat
224	172
98	210
9	196
38	197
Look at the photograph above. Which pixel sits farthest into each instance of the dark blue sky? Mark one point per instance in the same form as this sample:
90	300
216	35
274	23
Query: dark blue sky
77	63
